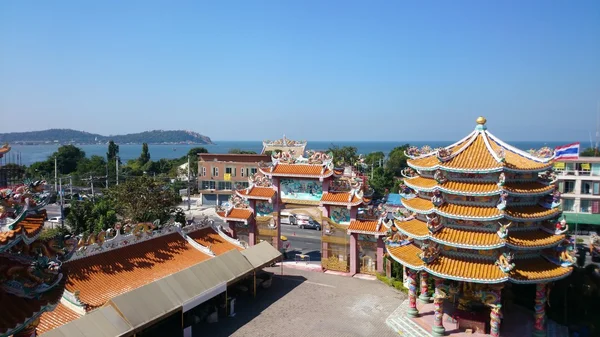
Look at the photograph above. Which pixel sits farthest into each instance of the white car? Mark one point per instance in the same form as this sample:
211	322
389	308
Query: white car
56	219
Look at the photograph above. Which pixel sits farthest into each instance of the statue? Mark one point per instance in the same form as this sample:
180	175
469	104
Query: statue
503	200
555	199
503	230
501	179
430	252
501	155
437	199
433	223
396	239
439	177
408	172
444	153
505	262
561	227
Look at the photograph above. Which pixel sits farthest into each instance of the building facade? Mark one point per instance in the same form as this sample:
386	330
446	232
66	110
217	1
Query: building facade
220	174
579	185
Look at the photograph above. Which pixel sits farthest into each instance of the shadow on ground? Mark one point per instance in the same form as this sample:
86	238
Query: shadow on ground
248	307
314	255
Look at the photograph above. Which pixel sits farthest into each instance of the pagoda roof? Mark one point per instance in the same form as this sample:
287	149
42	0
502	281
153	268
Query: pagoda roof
236	214
469	212
424	184
27	229
480	152
100	277
478	239
367	227
257	192
470	269
297	170
210	239
17	312
341	198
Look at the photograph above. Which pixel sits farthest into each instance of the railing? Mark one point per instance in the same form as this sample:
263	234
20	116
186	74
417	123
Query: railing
567	172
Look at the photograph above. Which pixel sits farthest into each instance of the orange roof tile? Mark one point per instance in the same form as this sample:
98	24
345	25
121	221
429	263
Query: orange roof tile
61	315
518	162
418	204
471	187
421	182
463	237
413	228
407	255
532	187
257	192
303	170
32	225
242	214
340	198
533	239
537	269
208	238
531	212
105	275
475	157
469	211
432	160
467	268
366	226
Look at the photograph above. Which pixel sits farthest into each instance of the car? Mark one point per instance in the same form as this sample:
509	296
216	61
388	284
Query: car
55	219
310	224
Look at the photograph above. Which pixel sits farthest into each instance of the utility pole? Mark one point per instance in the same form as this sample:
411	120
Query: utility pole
107	174
55	175
62	206
71	186
92	182
189	186
117	164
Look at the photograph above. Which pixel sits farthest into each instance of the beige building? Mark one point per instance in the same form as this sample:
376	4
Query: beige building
579	184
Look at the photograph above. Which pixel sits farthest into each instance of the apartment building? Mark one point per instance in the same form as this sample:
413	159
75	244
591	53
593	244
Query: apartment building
579	184
220	174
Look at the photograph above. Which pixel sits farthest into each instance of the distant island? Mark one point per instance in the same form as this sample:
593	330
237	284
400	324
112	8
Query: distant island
69	136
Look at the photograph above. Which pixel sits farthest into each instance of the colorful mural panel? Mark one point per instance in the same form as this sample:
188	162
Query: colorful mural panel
263	208
311	190
340	215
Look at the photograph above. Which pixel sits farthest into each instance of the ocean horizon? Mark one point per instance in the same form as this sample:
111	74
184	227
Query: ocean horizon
30	154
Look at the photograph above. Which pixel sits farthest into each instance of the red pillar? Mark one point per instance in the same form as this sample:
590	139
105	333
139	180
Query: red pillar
539	326
380	252
252	225
232	229
277	213
353	253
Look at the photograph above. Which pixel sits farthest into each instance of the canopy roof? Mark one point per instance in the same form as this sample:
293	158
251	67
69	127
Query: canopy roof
102	322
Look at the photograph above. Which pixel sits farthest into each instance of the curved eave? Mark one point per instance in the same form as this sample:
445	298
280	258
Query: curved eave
470	170
496	191
514	213
267	172
418	205
242	218
253	197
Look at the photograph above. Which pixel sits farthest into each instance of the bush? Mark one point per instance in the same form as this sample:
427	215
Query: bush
579	240
392	282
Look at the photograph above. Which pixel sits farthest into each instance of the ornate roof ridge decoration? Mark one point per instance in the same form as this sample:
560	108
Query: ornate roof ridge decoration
284	142
123	235
254	181
222	234
563	255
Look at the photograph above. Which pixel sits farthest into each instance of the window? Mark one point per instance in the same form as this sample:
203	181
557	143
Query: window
215	171
586	187
596	188
243	184
253	170
596	206
568	205
586	206
224	185
567	186
207	185
243	172
203	171
231	171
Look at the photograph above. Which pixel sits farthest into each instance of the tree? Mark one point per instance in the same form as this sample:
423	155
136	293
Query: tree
240	151
144	199
95	165
193	152
382	180
145	156
67	158
87	217
113	151
397	160
590	152
374	159
343	156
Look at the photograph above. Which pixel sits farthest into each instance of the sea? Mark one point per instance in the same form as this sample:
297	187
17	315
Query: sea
28	154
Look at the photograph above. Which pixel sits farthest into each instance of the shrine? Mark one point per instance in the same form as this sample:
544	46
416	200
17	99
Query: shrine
481	215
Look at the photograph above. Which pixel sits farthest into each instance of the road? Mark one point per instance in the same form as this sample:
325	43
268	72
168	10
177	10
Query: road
303	241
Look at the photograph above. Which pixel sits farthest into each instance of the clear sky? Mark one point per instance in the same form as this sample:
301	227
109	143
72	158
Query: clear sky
317	70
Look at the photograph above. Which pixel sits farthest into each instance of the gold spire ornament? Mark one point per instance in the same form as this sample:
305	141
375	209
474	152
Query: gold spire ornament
481	120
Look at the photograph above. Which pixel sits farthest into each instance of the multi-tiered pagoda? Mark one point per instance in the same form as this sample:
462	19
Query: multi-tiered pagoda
483	213
32	279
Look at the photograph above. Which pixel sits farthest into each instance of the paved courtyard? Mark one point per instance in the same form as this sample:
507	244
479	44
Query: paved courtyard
302	303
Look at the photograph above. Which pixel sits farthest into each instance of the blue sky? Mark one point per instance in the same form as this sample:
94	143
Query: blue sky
318	70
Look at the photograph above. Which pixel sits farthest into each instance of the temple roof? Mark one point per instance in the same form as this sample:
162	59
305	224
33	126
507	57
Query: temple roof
341	198
210	239
61	315
236	214
29	228
480	151
366	227
257	192
102	276
297	170
532	270
478	188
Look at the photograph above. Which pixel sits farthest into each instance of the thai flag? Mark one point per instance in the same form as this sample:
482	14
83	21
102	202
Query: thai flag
570	151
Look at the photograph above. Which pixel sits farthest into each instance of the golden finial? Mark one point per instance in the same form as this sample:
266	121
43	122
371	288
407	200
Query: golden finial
481	120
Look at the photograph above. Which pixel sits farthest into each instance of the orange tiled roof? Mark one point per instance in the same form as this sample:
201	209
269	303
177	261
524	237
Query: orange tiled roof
304	170
237	213
31	225
528	187
414	228
208	238
531	212
467	268
61	315
475	157
407	255
427	184
471	187
468	237
537	269
105	275
538	238
469	211
432	160
518	162
418	204
258	192
421	182
340	198
366	226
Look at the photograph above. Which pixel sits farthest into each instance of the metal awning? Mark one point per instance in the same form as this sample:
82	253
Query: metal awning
102	322
261	254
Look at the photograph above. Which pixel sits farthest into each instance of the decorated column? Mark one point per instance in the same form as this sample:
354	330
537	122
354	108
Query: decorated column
424	295
252	224
277	213
539	326
412	292
438	303
380	253
353	253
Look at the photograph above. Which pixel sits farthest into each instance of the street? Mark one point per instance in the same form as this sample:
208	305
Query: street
303	241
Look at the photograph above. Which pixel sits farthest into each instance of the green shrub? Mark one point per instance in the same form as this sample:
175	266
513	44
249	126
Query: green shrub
392	282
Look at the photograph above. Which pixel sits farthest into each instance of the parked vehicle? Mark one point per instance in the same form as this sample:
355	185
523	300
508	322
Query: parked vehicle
310	224
55	219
